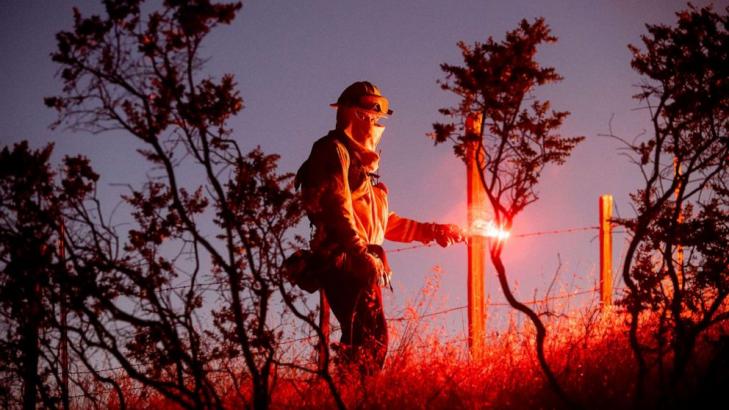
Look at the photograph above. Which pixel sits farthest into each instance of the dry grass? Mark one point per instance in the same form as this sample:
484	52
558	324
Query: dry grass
433	374
590	353
588	349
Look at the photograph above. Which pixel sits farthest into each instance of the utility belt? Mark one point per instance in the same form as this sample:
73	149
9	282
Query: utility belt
311	269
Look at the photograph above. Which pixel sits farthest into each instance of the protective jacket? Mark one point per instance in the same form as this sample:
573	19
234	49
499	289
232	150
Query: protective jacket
347	209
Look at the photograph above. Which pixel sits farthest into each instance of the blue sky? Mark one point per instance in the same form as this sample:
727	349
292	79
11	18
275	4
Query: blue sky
292	58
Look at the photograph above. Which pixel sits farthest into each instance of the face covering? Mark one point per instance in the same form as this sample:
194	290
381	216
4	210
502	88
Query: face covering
368	130
377	131
365	135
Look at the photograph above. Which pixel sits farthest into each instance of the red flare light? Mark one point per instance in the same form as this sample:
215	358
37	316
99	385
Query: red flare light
488	229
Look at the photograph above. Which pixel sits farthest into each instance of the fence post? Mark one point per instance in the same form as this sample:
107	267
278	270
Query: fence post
606	250
324	326
476	244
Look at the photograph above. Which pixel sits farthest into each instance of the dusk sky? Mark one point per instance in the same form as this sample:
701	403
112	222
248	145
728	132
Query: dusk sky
292	58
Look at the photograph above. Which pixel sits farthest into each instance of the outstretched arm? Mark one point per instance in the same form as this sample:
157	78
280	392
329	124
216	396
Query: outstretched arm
401	229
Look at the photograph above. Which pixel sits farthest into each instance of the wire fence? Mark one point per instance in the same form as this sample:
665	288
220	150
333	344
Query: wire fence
401	318
223	282
316	338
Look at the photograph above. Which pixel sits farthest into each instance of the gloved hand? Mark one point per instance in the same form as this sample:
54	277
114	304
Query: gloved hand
385	279
448	234
375	268
365	267
381	270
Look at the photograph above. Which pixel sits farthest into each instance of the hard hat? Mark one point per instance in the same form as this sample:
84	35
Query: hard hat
364	95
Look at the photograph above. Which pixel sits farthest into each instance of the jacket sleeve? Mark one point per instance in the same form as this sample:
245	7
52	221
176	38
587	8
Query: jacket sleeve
328	173
401	229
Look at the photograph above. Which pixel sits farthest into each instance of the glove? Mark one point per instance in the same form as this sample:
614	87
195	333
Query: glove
365	267
374	268
447	234
381	269
385	280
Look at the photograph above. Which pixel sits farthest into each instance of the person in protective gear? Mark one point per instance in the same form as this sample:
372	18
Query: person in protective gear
349	212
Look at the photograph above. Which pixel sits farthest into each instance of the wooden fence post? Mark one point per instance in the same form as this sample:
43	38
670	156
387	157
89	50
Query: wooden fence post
606	250
476	244
324	326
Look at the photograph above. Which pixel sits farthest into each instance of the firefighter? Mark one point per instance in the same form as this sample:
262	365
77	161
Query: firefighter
349	211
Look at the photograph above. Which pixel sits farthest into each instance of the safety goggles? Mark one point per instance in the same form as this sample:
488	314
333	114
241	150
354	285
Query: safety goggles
369	115
376	105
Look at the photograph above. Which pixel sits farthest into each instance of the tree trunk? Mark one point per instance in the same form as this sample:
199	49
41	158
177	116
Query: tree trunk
541	330
684	346
260	396
29	345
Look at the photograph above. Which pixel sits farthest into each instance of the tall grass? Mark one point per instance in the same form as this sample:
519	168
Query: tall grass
590	352
426	369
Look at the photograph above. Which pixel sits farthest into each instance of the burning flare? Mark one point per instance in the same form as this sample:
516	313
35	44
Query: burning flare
488	229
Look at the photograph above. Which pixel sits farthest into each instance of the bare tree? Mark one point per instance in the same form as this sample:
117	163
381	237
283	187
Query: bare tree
189	293
518	138
677	262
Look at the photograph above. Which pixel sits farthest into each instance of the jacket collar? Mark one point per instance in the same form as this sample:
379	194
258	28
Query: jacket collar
369	159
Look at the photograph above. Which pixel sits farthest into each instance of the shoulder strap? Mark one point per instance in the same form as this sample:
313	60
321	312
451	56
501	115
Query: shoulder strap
334	137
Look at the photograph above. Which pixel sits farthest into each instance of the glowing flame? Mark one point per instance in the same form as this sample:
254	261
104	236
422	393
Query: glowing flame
488	229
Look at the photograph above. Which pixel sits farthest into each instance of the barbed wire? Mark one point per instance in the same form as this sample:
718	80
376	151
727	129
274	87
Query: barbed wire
521	235
409	248
529	302
404	249
557	231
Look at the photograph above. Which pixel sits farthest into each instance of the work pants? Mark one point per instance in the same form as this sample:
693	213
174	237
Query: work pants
358	308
